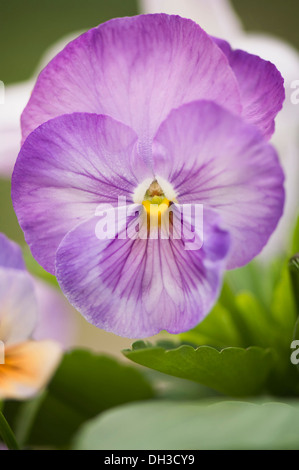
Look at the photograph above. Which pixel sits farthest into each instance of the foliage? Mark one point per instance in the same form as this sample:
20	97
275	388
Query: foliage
184	397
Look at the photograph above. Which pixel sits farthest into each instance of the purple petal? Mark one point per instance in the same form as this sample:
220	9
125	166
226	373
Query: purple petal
10	254
211	157
64	170
261	87
135	70
137	287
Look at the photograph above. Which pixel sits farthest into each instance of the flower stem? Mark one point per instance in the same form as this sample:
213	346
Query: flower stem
7	434
294	273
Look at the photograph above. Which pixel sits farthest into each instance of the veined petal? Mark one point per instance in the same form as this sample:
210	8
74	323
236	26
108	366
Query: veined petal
18	308
10	254
137	287
212	157
28	367
65	169
135	70
261	87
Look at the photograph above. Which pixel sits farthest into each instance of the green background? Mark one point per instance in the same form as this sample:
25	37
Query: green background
28	27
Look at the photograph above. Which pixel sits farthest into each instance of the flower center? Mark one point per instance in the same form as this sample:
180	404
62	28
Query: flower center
154	200
154	192
156	196
155	203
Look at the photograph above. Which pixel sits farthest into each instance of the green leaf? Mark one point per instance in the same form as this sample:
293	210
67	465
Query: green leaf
225	326
257	278
296	345
294	274
217	329
7	434
232	371
283	306
228	301
242	319
84	385
168	387
189	425
295	241
261	328
25	414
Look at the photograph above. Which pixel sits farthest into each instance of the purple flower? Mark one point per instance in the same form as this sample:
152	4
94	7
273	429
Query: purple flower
25	364
151	109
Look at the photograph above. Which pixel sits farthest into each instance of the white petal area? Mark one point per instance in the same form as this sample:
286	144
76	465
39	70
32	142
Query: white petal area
18	308
15	99
216	17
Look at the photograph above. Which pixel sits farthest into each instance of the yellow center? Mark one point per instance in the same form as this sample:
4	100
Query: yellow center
155	204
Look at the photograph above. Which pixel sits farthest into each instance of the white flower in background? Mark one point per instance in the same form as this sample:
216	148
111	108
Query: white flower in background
15	99
218	18
56	319
26	363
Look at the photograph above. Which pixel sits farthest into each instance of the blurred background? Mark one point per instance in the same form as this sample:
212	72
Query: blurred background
28	28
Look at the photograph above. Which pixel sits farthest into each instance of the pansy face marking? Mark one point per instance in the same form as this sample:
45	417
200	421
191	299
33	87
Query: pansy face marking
155	204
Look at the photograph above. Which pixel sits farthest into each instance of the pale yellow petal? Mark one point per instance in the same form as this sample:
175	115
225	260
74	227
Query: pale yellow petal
28	367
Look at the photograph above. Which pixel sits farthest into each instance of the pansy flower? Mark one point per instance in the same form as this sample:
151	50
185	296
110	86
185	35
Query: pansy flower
149	109
26	365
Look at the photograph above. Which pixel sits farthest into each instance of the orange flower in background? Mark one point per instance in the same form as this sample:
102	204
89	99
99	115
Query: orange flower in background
25	364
